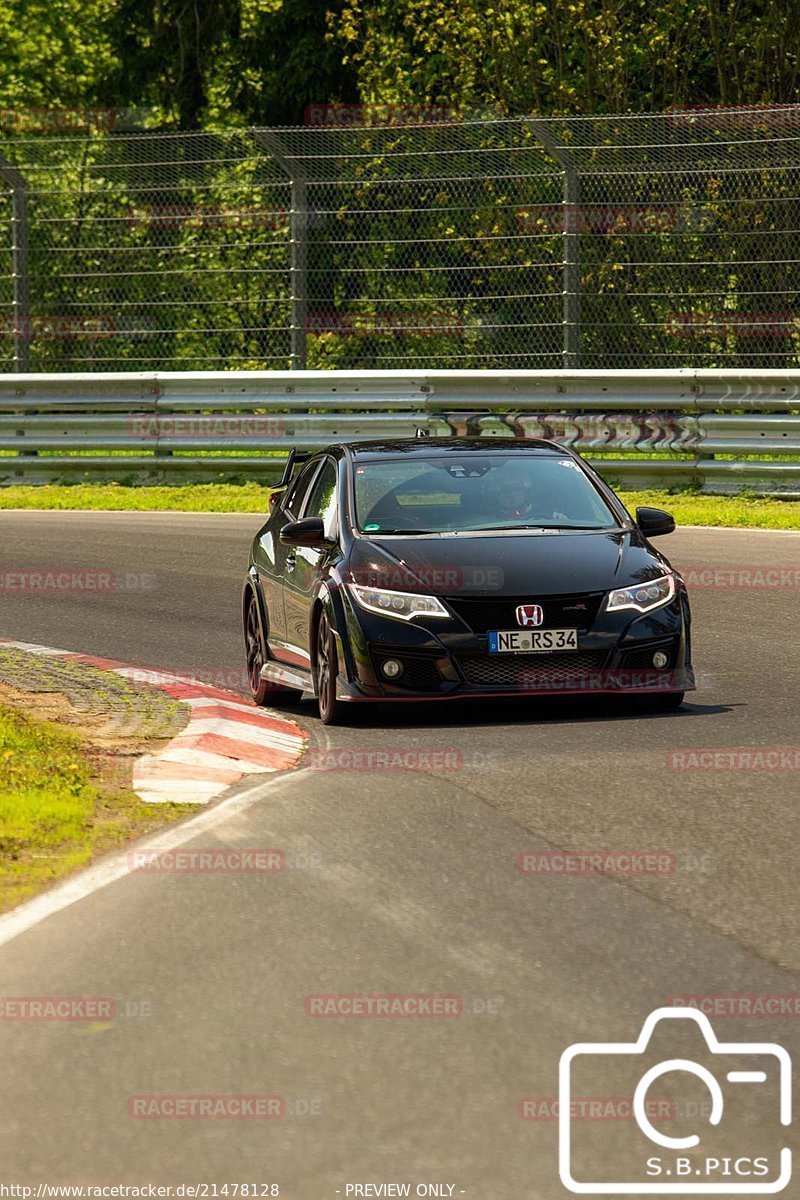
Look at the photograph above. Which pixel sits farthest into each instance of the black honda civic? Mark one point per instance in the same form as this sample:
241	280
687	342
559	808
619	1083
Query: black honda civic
449	568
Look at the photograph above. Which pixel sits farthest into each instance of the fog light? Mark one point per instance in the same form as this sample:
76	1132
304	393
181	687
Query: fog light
392	668
660	660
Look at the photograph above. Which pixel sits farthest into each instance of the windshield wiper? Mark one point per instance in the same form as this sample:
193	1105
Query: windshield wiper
483	529
404	532
500	528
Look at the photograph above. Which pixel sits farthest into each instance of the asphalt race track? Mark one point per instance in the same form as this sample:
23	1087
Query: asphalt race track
406	883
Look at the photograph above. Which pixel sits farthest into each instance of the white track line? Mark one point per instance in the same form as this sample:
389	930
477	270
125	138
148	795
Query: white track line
27	915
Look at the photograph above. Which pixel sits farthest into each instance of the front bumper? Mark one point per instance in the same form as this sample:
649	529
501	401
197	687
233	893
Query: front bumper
447	660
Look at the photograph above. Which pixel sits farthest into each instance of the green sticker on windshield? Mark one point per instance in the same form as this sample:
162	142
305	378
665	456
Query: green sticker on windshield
369	528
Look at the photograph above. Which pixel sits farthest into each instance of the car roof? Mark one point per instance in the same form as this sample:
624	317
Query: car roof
437	447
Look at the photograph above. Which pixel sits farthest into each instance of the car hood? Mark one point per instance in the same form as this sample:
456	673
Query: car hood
511	564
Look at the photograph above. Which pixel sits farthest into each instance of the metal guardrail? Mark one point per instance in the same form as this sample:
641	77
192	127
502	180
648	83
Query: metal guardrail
189	426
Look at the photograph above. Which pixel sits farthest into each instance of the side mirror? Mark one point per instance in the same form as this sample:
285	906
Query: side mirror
654	522
308	532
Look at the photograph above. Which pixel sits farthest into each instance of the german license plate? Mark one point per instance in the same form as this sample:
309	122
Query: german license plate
531	641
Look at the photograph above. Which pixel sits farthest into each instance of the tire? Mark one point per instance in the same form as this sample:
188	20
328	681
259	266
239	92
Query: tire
326	669
263	693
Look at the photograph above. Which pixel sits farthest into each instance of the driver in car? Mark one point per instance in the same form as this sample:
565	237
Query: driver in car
513	497
510	493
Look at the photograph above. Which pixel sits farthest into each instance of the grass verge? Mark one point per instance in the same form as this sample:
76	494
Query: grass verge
692	508
689	508
116	497
63	801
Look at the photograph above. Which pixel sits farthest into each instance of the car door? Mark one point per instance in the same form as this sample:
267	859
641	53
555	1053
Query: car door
299	585
273	559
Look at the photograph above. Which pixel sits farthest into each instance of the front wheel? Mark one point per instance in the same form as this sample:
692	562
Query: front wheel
261	691
326	670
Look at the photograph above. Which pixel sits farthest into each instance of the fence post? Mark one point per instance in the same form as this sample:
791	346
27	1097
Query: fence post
19	263
572	267
298	219
571	242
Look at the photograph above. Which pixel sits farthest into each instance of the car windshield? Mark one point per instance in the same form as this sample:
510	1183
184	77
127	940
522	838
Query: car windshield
477	492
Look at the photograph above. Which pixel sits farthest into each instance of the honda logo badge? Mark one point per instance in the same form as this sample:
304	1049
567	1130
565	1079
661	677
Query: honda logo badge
529	614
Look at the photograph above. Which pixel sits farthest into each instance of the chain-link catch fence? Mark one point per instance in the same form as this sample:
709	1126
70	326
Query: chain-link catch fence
634	241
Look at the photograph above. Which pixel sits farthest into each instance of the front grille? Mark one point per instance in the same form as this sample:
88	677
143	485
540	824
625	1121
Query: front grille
420	673
530	672
560	612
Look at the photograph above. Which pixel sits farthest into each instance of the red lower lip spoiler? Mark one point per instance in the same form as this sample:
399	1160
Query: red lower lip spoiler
532	694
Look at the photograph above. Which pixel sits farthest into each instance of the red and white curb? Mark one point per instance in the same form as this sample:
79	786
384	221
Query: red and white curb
226	737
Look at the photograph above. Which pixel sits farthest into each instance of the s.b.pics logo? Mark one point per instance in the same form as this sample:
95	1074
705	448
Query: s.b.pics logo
720	1127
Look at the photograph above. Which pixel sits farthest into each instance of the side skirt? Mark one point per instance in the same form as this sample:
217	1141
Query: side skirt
284	676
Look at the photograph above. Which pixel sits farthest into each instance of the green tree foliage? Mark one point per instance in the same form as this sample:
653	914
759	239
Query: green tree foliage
285	62
587	56
55	53
176	250
228	61
190	62
180	63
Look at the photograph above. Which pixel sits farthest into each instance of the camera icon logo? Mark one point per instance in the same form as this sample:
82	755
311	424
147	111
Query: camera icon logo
656	1162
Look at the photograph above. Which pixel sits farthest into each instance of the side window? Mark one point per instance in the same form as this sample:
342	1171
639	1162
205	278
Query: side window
298	488
322	502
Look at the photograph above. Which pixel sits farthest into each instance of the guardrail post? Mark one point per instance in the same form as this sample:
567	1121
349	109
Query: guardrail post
19	263
571	241
298	220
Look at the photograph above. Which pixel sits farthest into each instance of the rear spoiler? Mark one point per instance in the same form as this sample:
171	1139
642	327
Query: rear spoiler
295	457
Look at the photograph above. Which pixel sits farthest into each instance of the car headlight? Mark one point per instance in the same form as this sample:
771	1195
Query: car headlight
403	605
643	596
